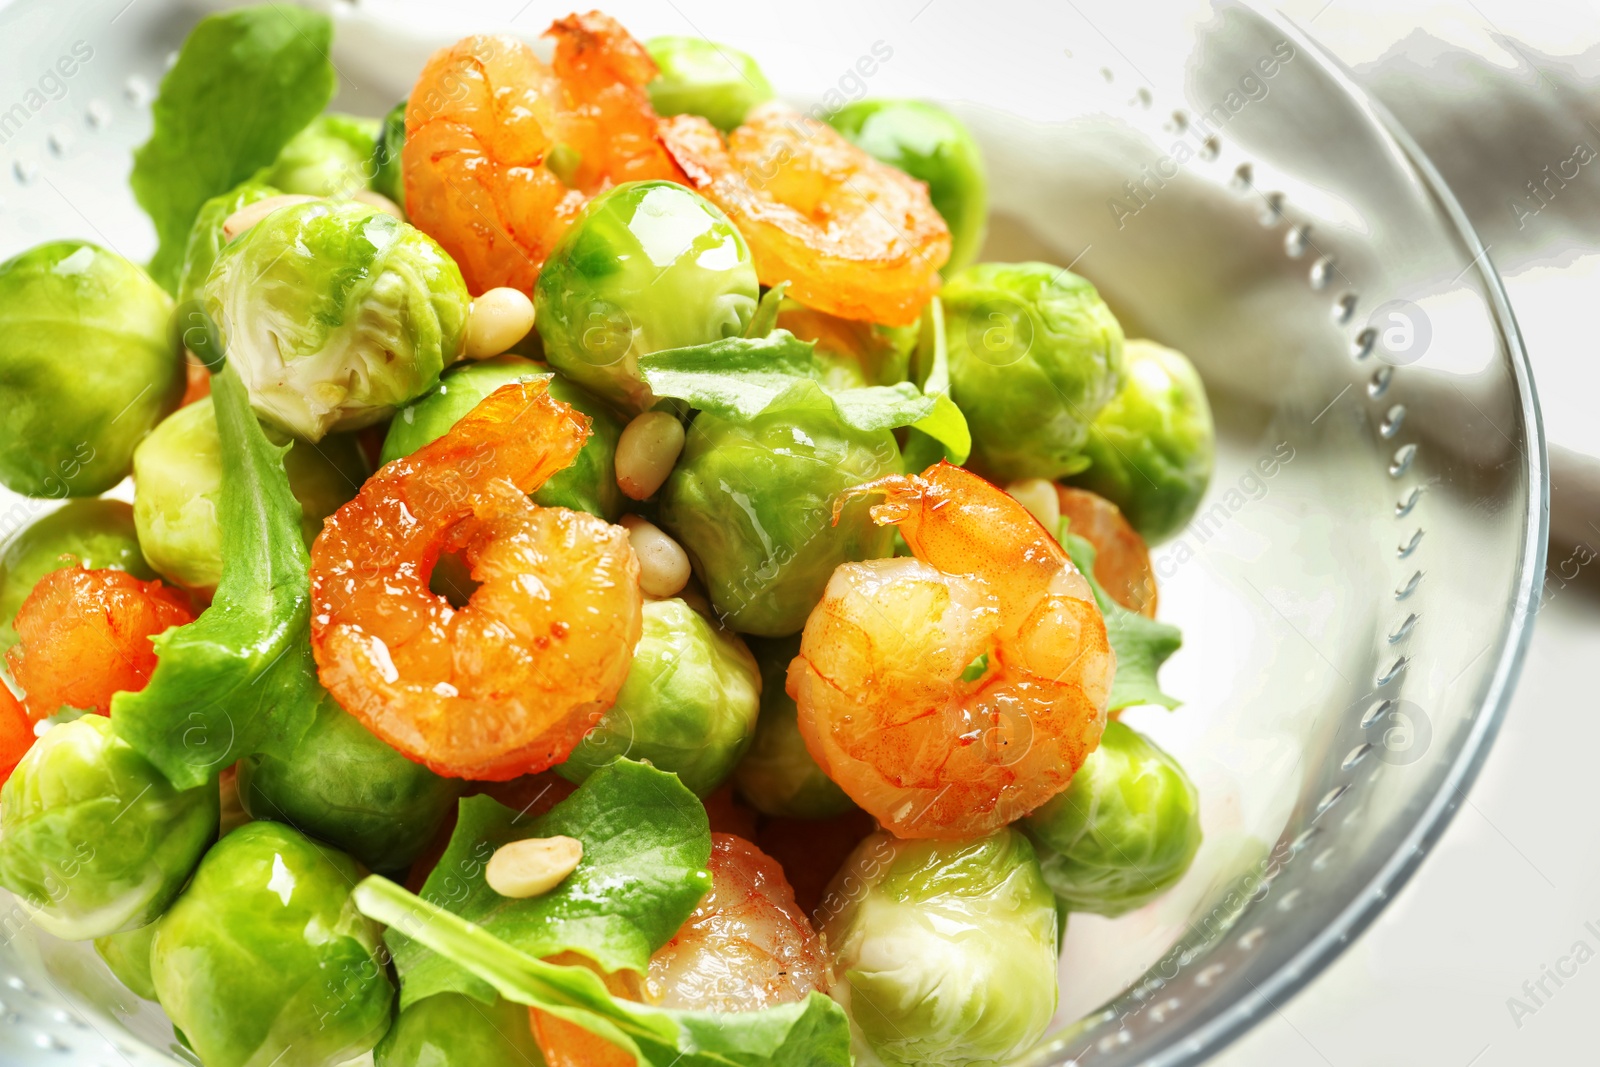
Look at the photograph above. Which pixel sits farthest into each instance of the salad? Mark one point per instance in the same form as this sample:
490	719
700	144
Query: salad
609	578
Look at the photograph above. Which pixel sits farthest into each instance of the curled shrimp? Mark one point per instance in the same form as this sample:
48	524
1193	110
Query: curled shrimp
954	691
16	732
502	150
746	947
509	683
1121	560
852	236
84	635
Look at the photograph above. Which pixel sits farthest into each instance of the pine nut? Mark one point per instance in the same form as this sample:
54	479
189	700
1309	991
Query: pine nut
533	866
250	214
1038	495
373	198
646	453
499	319
663	564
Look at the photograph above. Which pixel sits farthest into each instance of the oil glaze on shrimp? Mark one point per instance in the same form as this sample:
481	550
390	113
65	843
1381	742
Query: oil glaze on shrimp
509	683
502	150
951	693
852	236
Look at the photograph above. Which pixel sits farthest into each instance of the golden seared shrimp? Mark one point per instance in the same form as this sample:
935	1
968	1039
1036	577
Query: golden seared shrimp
748	946
1121	560
852	236
953	692
509	683
502	150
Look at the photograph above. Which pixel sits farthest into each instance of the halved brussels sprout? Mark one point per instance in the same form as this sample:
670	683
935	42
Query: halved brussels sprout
93	840
345	786
265	960
1035	354
177	483
335	314
92	533
589	484
778	776
644	267
689	704
332	156
1124	831
1152	448
933	146
944	952
752	503
206	238
452	1030
388	177
88	365
128	957
718	83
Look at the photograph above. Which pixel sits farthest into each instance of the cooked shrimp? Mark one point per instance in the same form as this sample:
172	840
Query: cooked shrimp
951	693
747	946
16	732
853	237
1121	561
501	150
509	683
85	635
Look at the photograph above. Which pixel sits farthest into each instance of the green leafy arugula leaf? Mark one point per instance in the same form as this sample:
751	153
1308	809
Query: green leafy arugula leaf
1142	645
240	679
244	83
811	1033
742	377
645	846
929	441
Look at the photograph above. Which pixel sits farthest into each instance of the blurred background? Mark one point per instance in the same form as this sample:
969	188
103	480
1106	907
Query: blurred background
1490	957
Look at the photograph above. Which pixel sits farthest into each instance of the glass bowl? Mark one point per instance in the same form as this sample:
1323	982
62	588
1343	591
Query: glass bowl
1357	590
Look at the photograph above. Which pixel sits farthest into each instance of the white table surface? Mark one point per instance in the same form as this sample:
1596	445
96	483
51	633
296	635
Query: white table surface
1490	957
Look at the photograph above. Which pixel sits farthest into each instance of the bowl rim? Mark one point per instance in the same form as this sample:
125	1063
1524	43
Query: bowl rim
1296	973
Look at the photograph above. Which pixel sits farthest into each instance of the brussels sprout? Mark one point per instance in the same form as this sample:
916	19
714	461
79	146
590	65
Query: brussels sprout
589	484
93	840
778	775
332	156
1123	832
716	82
206	238
128	957
387	176
88	366
94	533
177	483
452	1030
1151	449
933	146
644	267
1034	355
852	353
335	313
348	787
944	951
265	960
752	503
689	704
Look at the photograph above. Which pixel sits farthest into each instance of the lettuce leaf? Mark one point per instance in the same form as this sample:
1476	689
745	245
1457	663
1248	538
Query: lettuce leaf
1142	645
244	83
645	846
742	377
924	446
240	679
811	1033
